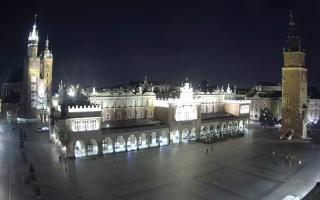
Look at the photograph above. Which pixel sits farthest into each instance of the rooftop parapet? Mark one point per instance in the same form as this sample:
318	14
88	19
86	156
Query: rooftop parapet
83	109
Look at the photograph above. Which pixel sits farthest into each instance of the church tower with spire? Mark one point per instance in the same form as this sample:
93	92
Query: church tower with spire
37	79
294	85
46	71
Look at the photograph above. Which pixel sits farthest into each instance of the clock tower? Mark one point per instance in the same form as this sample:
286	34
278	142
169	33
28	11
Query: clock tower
294	86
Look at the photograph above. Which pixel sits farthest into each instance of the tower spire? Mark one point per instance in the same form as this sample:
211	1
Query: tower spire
35	20
47	52
33	35
291	22
47	43
293	39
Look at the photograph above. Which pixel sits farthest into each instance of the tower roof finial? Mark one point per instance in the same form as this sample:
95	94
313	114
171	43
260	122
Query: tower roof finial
35	19
291	22
47	42
33	35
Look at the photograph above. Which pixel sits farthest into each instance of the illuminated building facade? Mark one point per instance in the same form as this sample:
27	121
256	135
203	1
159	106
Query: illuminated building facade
37	79
107	121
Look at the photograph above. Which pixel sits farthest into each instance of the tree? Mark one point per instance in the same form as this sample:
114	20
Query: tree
266	118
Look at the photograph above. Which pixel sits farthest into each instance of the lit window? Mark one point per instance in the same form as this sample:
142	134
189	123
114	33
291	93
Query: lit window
33	79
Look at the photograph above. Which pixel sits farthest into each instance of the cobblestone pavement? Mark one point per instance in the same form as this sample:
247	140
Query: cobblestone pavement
252	167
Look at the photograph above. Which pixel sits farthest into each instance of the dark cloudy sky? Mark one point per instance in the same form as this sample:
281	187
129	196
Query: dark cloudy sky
109	42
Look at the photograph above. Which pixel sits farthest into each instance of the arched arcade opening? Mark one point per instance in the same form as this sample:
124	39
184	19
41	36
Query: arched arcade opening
79	149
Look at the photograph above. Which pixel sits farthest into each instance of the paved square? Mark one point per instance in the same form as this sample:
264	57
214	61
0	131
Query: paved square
240	183
241	168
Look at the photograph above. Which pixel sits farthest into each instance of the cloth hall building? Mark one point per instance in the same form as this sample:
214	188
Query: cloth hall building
97	122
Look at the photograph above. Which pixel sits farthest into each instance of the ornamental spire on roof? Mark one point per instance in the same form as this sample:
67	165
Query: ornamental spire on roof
47	52
33	35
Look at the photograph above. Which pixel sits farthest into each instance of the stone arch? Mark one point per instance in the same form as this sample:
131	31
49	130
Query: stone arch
229	126
107	145
246	124
211	129
241	125
143	141
79	149
132	143
163	139
92	147
236	125
224	127
175	137
218	130
120	144
153	140
185	135
193	134
203	132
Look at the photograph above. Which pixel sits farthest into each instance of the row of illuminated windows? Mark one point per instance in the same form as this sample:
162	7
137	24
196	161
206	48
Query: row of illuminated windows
129	115
84	125
211	109
186	113
126	102
314	114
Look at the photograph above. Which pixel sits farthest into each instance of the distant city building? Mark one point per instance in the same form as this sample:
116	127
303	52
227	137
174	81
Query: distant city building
294	86
270	98
105	121
11	95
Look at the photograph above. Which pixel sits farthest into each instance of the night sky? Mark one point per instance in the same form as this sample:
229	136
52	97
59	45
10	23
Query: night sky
236	41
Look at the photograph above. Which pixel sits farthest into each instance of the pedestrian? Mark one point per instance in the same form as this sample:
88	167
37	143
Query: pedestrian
211	148
60	159
207	151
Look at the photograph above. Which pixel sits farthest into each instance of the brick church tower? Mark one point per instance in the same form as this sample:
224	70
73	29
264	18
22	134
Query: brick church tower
37	79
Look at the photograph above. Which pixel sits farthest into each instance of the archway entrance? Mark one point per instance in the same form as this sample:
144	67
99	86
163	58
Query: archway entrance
236	126
153	142
175	137
132	143
79	149
107	146
163	139
120	144
185	135
92	147
143	142
193	134
230	127
246	124
241	125
224	127
203	132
